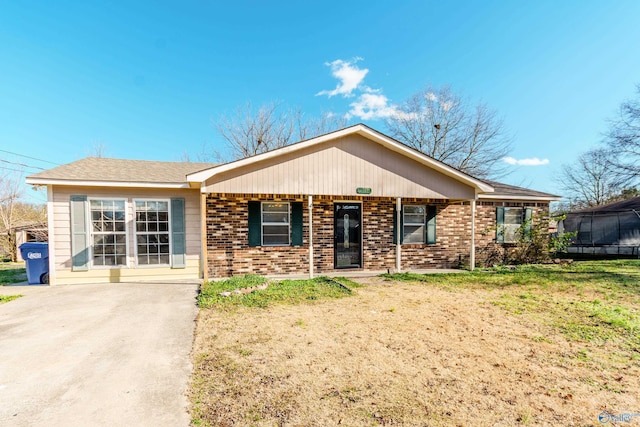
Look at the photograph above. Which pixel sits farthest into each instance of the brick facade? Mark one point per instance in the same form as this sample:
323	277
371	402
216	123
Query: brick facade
229	253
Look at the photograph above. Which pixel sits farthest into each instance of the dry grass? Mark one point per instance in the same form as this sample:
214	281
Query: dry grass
408	353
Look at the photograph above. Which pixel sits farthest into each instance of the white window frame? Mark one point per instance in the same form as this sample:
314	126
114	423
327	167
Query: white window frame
135	232
423	224
512	235
91	233
263	223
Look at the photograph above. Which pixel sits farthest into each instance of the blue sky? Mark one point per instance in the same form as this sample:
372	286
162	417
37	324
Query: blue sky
148	80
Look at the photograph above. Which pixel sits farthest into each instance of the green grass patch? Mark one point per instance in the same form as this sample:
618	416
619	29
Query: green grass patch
612	277
7	298
12	272
277	292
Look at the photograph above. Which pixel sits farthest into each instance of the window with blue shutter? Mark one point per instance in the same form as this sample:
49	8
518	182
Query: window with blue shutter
178	235
79	240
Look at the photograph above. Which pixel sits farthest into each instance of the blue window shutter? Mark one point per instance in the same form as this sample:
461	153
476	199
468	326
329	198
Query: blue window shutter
431	225
500	224
255	224
296	223
528	218
79	230
178	239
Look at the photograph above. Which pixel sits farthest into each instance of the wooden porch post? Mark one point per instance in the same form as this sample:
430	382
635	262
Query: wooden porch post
398	233
472	255
310	206
204	262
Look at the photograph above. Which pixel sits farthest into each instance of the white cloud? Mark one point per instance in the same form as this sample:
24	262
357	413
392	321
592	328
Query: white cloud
372	106
534	161
370	103
348	73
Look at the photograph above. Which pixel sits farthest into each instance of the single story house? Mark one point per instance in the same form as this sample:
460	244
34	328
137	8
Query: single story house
354	200
607	230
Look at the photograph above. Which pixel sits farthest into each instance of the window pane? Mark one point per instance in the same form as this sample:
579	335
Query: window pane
275	217
414	234
269	240
152	232
414	219
409	209
512	215
511	232
275	229
275	207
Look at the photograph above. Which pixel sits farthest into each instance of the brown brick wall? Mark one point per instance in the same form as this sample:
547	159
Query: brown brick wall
228	252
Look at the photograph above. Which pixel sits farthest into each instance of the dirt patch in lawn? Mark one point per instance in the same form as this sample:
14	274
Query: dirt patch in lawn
404	354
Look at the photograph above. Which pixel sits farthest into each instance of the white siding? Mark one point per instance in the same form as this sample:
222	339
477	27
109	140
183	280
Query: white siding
338	168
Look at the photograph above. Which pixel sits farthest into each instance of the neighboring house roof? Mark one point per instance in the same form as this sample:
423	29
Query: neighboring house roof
511	191
622	206
105	171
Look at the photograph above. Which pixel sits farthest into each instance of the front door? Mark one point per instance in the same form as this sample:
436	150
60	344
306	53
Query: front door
347	238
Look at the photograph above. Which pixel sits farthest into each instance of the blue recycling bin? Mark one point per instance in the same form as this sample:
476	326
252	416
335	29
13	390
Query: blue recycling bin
36	255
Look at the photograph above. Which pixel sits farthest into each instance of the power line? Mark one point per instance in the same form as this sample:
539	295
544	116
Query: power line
21	164
11	169
29	157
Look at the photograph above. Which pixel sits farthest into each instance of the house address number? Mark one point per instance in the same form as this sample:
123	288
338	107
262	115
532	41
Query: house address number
363	190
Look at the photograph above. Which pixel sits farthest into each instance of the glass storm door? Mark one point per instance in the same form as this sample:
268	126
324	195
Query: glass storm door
347	246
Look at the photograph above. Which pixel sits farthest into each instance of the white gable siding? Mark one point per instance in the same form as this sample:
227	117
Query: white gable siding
338	168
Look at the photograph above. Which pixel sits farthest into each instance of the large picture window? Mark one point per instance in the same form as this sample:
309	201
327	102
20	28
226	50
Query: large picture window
275	224
152	232
108	232
414	222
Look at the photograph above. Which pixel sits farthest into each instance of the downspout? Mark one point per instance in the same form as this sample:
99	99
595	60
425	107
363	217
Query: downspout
310	208
398	233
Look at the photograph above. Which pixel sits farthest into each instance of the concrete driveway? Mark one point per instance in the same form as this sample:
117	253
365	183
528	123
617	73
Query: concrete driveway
94	355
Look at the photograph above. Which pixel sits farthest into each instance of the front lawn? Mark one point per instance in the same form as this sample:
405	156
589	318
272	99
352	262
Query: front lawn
538	345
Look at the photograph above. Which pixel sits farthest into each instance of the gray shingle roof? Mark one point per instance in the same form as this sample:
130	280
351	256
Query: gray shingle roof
621	206
513	191
120	170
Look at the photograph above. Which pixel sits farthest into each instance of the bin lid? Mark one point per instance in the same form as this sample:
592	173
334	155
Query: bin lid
35	245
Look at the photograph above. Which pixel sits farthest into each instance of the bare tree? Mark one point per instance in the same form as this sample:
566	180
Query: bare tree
98	149
443	125
15	213
591	181
10	191
623	139
248	131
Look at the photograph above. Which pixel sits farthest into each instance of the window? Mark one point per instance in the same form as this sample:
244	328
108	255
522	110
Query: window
509	221
152	232
413	229
275	224
108	232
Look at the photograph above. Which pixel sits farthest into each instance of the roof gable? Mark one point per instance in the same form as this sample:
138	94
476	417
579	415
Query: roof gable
345	166
370	134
